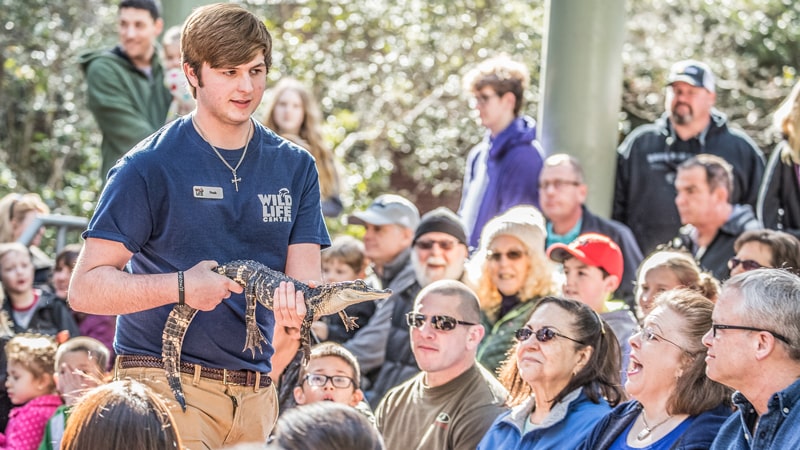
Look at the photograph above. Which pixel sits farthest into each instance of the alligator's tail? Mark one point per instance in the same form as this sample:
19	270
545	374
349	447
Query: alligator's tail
172	340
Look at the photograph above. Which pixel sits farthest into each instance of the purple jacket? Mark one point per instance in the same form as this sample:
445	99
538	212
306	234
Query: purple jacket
513	165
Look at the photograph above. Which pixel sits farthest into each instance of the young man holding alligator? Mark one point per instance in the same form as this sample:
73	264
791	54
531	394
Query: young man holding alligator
209	188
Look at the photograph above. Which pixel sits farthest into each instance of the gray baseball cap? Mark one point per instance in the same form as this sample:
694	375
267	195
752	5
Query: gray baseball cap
388	209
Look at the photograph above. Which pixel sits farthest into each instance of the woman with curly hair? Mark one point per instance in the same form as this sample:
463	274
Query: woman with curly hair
510	272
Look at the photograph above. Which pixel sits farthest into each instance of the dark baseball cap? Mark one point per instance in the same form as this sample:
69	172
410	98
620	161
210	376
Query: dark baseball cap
693	72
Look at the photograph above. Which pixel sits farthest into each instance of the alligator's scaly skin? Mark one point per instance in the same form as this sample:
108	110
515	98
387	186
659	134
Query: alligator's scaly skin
259	283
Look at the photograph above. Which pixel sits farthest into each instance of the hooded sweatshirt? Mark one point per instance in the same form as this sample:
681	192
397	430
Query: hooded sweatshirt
127	103
501	172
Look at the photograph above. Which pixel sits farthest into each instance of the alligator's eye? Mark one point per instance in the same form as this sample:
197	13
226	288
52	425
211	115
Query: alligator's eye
360	283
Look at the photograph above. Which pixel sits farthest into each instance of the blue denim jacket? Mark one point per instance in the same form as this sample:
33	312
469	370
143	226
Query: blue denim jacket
778	428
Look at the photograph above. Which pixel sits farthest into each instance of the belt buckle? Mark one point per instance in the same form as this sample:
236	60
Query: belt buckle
225	377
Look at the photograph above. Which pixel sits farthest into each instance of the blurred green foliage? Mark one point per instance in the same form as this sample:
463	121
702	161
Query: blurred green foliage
388	76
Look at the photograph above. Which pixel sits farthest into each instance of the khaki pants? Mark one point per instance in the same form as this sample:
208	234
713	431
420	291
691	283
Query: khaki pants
217	415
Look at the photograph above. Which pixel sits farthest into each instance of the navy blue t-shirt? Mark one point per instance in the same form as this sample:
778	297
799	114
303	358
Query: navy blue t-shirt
171	202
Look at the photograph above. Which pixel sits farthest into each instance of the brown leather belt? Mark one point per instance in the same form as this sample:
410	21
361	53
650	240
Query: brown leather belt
237	377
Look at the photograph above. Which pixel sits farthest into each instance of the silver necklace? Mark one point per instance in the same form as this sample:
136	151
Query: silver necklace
236	179
647	428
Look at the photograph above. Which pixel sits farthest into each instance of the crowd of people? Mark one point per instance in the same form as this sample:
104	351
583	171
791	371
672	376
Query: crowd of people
521	320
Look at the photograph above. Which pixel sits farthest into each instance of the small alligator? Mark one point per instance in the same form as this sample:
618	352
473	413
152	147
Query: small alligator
259	283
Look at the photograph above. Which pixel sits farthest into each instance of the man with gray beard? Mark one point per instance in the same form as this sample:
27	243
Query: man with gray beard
439	252
648	159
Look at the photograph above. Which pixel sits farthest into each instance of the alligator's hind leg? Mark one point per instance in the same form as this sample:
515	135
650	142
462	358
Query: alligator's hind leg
172	340
254	335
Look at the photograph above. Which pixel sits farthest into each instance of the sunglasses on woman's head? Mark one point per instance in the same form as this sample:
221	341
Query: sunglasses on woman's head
511	255
543	334
747	264
439	322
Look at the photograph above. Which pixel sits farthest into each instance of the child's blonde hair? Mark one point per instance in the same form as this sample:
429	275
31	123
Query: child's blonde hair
34	352
333	349
96	350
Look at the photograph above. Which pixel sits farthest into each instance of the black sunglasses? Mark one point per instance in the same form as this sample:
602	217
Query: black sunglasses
512	255
747	264
442	323
719	326
543	334
427	245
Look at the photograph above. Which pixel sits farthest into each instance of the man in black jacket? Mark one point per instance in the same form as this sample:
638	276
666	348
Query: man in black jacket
712	222
562	193
649	156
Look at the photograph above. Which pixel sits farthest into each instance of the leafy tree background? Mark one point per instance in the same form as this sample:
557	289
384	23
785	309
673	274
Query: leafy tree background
388	76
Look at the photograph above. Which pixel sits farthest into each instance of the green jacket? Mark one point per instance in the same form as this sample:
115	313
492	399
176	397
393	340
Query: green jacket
127	104
499	336
54	431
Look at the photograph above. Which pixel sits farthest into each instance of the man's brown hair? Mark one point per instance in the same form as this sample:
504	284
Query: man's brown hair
223	35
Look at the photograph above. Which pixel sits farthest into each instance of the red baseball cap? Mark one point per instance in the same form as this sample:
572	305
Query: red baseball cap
592	249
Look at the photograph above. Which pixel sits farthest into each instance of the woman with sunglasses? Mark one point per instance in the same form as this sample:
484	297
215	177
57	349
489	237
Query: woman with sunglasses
675	405
562	377
757	249
510	272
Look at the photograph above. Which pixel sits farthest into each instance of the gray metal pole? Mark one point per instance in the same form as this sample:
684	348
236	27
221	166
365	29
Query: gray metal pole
581	88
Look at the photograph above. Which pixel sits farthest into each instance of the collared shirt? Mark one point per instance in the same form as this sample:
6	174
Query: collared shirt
566	238
777	428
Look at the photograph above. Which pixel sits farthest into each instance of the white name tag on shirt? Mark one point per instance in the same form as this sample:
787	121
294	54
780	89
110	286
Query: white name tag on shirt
209	192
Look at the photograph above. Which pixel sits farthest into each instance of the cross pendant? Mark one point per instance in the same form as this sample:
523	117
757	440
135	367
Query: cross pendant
235	180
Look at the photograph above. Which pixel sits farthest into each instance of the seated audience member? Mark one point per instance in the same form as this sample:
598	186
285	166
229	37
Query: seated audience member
511	273
562	377
332	374
80	364
674	404
121	414
389	223
592	270
454	400
562	193
31	309
765	249
669	269
439	252
92	325
324	426
704	184
344	260
752	348
31	388
778	206
17	213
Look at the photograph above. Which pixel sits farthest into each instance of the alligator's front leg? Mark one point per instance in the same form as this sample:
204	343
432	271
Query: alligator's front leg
172	341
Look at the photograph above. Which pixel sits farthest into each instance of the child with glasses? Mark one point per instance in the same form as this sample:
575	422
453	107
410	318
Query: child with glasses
332	374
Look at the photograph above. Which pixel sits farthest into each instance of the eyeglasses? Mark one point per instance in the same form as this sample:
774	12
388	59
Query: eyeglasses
747	264
719	326
557	184
441	323
512	255
482	99
427	245
543	334
649	335
337	381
